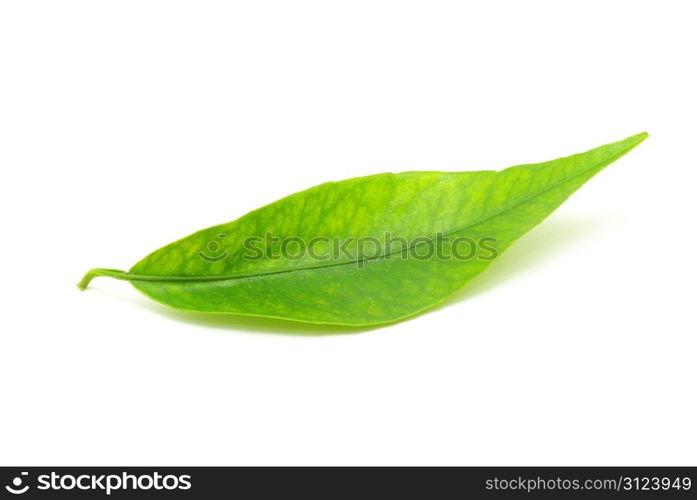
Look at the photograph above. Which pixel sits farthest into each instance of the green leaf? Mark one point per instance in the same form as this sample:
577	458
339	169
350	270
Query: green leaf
384	247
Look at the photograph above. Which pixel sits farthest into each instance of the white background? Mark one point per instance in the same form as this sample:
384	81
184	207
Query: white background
126	125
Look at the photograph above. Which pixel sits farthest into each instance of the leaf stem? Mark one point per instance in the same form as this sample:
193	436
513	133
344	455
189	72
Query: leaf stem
98	271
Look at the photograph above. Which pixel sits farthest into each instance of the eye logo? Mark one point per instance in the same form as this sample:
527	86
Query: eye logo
17	483
213	248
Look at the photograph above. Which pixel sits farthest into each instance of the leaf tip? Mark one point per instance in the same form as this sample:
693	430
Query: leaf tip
638	138
626	145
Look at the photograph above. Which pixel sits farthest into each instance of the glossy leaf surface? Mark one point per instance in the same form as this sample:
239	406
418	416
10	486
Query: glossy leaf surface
374	277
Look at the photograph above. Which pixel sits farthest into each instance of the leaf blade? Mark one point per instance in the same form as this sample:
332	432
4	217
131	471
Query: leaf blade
503	204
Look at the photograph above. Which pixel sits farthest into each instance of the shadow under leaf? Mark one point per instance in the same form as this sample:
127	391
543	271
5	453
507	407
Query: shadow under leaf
529	252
